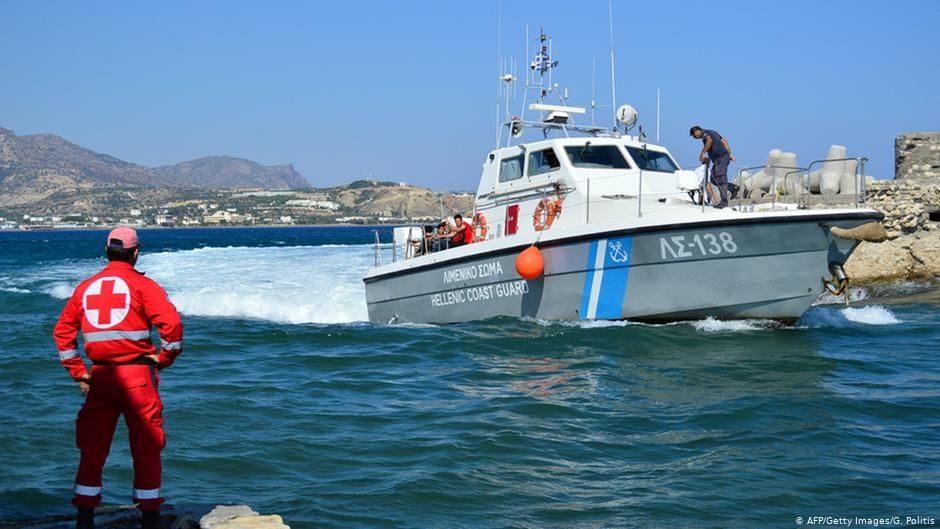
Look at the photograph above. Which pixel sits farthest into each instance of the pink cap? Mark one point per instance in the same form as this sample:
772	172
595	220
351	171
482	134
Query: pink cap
123	237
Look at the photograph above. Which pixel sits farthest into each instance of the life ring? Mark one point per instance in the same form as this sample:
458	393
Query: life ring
545	213
480	228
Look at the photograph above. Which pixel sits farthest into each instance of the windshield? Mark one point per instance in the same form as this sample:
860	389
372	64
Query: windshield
648	160
510	169
543	162
596	157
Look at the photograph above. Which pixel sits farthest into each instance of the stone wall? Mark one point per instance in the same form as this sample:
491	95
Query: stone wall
907	205
917	156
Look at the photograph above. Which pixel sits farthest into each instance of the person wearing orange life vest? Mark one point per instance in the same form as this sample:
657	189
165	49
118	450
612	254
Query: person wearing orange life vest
114	310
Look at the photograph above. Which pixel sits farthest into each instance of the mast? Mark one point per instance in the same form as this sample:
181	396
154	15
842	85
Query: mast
499	86
657	115
613	82
539	77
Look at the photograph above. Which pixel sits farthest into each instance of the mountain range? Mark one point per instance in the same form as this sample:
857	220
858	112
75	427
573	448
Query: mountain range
35	167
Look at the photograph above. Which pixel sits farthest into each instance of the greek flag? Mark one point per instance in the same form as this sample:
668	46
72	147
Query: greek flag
542	62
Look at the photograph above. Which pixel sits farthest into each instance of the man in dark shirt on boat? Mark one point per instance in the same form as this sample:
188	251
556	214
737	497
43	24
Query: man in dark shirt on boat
463	232
717	149
440	239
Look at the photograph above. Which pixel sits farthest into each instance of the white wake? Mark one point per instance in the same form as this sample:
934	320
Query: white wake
872	315
302	284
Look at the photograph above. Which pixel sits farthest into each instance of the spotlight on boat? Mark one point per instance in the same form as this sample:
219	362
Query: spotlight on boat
627	116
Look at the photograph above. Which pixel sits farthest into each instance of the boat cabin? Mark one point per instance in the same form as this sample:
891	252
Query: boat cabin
583	180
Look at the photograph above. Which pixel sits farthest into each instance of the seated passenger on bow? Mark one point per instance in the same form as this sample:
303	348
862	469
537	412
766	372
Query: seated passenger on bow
463	232
441	239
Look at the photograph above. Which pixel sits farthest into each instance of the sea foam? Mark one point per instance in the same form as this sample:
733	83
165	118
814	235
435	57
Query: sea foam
302	284
712	325
298	284
848	317
872	315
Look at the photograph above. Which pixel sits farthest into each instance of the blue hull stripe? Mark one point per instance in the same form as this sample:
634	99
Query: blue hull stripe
616	273
605	279
588	281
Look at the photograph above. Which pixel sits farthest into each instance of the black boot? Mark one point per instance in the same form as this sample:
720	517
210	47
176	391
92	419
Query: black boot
86	518
150	519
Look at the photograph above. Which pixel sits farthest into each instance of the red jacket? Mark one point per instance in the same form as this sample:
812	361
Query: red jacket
114	310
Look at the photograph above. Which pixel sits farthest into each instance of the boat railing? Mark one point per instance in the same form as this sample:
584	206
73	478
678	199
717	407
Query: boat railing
379	246
803	173
859	177
774	191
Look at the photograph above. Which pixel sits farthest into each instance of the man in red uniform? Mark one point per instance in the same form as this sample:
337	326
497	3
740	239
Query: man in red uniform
114	309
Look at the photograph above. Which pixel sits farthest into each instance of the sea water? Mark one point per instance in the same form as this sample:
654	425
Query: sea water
286	399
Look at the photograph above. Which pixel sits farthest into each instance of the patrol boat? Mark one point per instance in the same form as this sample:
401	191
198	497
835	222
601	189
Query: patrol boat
586	223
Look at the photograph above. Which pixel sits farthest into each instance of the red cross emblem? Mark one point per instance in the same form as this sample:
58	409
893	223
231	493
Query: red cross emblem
106	302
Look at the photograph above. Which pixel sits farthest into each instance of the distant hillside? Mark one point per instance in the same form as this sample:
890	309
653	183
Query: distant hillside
393	200
229	172
34	167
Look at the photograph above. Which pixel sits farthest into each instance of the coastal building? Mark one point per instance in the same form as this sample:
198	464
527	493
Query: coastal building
325	205
224	217
165	220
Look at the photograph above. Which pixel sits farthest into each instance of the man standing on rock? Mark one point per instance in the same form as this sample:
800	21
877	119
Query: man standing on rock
717	149
114	309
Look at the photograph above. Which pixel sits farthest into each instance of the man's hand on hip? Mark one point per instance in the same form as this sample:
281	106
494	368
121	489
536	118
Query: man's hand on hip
84	384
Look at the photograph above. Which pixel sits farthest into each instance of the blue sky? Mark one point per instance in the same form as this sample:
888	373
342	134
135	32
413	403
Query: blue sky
406	91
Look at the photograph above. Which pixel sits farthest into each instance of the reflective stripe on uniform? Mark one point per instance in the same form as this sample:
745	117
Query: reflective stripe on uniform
65	355
106	336
171	346
82	490
146	494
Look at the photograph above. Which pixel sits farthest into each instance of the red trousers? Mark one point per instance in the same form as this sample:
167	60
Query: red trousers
129	390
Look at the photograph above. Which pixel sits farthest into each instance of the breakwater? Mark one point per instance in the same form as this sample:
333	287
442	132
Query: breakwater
911	204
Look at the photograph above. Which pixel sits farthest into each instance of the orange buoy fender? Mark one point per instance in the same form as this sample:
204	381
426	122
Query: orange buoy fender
529	263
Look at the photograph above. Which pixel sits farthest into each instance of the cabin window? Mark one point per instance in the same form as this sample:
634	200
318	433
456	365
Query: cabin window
543	162
596	157
510	169
648	160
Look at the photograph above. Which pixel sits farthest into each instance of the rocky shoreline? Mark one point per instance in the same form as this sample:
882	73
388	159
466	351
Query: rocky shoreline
912	219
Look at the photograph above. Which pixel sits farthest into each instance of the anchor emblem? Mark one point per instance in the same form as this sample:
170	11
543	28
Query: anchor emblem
617	253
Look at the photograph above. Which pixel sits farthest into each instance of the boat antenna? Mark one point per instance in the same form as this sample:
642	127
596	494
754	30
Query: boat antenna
613	83
529	79
593	89
657	114
499	73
